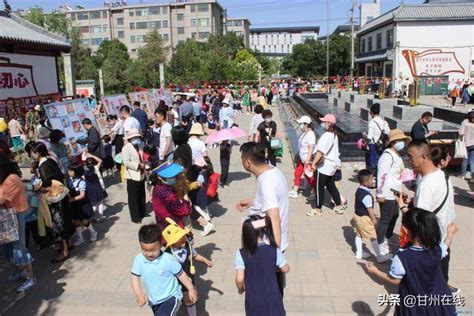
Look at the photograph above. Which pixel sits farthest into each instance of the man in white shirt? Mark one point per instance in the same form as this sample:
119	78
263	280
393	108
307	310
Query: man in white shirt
434	192
271	197
129	122
166	143
377	127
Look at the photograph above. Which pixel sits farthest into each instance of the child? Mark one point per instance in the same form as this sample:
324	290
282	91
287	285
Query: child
160	273
179	244
95	186
364	217
211	126
108	164
417	269
225	149
256	265
31	218
81	208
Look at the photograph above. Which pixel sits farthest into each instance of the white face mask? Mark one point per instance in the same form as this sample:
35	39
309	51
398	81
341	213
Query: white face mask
302	125
399	145
323	125
135	141
268	120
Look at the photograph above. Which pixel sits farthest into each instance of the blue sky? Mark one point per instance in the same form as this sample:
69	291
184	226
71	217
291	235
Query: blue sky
263	13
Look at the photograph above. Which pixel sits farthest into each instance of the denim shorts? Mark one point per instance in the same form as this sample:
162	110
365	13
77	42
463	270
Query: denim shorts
167	308
16	251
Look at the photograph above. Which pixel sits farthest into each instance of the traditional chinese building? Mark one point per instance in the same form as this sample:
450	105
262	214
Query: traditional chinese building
28	64
431	41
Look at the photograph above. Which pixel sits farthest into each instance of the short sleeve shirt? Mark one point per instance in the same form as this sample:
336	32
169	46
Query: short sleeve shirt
329	147
198	147
159	277
165	131
240	265
129	124
13	192
306	139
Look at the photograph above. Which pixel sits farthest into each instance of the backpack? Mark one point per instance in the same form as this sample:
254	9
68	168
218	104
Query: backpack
382	143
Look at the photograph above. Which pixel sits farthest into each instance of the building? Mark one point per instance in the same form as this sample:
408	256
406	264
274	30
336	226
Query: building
344	29
368	11
240	27
432	41
175	21
279	41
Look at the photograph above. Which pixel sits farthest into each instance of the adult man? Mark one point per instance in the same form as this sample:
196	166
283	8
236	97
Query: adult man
141	116
196	108
165	148
186	111
93	140
434	192
129	122
420	131
377	128
271	197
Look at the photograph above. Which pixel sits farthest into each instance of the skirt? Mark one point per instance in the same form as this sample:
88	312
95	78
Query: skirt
62	220
108	163
95	192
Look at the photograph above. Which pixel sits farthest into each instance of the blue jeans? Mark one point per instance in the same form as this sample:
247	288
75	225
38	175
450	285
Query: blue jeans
16	251
470	159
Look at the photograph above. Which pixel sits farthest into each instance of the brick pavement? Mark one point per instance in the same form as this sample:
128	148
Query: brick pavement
324	278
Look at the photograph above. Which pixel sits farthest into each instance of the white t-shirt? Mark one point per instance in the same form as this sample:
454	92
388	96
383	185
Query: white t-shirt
165	131
118	128
389	172
331	155
430	192
198	147
272	193
374	132
306	139
130	123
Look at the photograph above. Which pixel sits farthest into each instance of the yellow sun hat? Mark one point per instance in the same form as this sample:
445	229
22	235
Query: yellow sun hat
173	233
3	125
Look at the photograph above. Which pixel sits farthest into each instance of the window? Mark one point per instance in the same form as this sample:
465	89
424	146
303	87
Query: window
203	35
132	39
73	16
131	13
134	50
164	10
263	48
180	17
165	23
84	29
141	12
154	24
119	21
95	15
288	48
180	30
237	23
291	38
104	14
192	7
362	46
154	11
140	38
121	34
85	42
282	48
96	41
82	16
369	49
193	22
97	28
203	7
389	38
203	22
166	37
132	26
274	48
142	25
193	35
266	39
379	41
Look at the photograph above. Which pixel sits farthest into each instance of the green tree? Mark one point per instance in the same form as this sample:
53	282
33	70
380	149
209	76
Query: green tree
114	66
150	57
227	45
189	62
264	61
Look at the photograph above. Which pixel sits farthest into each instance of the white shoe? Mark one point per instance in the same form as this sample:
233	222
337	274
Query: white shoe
384	258
93	236
207	229
314	212
337	210
79	241
363	255
293	194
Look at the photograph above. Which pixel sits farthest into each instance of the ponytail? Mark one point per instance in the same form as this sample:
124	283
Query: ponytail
253	227
422	226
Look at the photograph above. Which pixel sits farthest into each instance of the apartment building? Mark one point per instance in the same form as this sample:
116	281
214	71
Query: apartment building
240	27
279	41
175	21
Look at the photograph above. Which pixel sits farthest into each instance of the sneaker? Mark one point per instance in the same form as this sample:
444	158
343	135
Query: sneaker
93	236
384	250
17	275
207	229
454	290
337	210
100	218
384	258
293	194
314	212
78	241
363	255
26	285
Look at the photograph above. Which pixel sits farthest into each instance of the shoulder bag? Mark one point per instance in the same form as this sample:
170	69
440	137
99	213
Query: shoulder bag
8	225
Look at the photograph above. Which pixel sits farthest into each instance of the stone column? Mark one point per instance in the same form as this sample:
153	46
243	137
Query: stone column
69	76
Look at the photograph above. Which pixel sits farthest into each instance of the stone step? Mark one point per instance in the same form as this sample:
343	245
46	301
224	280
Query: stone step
383	102
410	113
406	125
365	113
353	107
346	94
340	101
357	98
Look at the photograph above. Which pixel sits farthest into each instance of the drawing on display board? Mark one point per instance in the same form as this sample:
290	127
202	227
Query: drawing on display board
53	111
74	145
77	126
65	121
70	108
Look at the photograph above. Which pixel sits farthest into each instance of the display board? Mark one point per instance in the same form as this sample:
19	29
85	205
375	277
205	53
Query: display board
113	103
146	101
161	94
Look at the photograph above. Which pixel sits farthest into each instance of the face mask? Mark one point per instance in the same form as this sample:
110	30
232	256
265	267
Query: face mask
170	181
135	141
399	146
323	125
302	125
268	120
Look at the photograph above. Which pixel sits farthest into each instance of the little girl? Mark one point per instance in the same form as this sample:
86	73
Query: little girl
95	186
211	126
81	208
108	164
256	266
417	268
225	151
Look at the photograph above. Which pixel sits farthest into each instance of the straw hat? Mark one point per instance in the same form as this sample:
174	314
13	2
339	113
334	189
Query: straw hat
398	134
196	129
133	133
173	233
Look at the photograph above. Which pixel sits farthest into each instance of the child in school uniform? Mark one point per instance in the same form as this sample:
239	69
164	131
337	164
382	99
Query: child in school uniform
225	151
211	126
108	163
95	186
417	269
256	264
364	217
179	243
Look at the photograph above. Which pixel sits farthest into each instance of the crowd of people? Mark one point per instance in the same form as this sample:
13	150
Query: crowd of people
166	153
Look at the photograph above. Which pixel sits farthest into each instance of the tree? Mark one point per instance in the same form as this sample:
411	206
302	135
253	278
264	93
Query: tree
264	61
189	62
55	22
226	45
114	66
245	66
150	57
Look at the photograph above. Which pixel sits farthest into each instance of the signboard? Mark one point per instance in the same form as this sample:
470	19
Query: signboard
85	87
146	101
432	62
161	94
67	116
113	103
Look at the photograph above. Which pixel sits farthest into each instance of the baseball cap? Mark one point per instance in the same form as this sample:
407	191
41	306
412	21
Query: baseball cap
330	118
304	119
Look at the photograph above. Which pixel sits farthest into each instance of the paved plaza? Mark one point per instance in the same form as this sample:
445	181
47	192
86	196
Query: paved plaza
324	279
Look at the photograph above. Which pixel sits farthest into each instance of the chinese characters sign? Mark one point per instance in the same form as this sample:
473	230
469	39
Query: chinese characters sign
433	62
16	81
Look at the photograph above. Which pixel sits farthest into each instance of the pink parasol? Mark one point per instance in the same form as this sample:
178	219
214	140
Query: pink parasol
225	134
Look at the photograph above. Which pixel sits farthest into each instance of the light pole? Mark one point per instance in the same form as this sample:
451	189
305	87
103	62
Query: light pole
327	41
352	40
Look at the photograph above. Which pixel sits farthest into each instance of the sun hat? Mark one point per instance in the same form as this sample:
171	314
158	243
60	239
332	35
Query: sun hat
200	162
173	233
43	132
360	144
226	101
3	125
330	118
398	134
196	129
133	133
168	170
304	119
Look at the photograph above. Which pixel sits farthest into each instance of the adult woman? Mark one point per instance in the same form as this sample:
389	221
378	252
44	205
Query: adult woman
226	114
256	120
306	144
48	171
132	156
389	171
117	133
466	133
198	147
325	164
59	148
13	195
266	131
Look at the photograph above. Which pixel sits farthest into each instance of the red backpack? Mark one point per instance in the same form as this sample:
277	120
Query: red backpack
213	183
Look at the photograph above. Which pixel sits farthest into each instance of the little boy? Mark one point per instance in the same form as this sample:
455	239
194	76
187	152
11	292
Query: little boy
364	218
159	273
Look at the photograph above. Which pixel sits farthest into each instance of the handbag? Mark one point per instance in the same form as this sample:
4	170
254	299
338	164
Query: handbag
8	225
460	150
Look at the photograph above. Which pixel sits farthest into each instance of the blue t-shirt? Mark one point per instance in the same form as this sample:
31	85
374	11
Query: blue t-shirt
240	265
159	277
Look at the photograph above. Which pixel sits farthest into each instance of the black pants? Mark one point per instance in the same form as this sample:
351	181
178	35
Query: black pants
31	229
453	101
136	200
388	218
324	181
224	173
445	265
272	158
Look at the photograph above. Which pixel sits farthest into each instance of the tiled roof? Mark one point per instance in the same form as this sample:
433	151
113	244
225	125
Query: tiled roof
15	29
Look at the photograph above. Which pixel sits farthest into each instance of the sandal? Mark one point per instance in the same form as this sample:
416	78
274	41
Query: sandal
62	259
314	212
